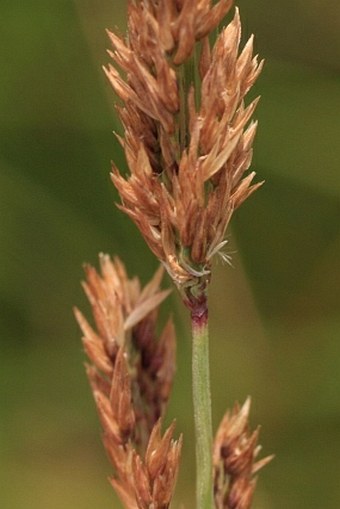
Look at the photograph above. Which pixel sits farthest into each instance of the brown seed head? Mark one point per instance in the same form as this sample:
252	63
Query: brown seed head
234	459
188	142
131	375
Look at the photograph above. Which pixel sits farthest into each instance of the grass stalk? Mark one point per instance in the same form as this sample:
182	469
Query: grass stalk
202	407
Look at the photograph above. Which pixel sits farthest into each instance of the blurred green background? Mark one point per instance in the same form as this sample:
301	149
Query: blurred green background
275	322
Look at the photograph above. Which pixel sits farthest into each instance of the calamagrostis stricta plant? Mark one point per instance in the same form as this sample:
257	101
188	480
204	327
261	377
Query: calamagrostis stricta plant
188	138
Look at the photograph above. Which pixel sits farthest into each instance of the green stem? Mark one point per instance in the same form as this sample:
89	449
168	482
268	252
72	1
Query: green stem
202	406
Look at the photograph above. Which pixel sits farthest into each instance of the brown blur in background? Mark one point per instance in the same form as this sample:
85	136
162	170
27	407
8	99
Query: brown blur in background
275	321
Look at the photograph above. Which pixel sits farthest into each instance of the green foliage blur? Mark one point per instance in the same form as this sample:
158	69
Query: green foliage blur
275	322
